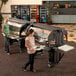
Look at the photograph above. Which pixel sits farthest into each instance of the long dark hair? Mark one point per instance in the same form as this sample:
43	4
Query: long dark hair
23	28
30	32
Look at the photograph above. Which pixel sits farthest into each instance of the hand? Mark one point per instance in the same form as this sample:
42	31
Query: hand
32	49
7	36
52	42
13	35
38	45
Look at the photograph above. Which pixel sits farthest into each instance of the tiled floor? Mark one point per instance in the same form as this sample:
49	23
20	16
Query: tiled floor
71	29
66	67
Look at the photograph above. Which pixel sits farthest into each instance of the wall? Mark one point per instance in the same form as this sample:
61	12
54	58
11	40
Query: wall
7	7
58	0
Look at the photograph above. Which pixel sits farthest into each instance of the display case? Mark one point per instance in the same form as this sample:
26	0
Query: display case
43	14
33	13
15	26
25	12
18	29
16	11
43	35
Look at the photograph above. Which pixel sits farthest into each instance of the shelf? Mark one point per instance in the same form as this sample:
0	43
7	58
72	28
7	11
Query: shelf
43	12
43	9
32	12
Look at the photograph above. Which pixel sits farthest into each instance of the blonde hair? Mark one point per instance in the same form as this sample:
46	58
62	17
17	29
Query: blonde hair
5	20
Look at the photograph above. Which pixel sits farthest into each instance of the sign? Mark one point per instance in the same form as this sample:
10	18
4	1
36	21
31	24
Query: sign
66	48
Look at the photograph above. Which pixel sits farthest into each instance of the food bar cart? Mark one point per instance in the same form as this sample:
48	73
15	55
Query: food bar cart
45	34
16	27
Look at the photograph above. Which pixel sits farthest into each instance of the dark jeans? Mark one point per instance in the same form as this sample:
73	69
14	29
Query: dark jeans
55	56
51	56
7	44
30	62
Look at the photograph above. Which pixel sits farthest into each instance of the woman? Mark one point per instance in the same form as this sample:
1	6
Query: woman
6	33
30	45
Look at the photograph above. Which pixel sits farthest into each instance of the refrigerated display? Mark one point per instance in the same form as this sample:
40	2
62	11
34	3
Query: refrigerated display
33	13
43	14
25	12
16	12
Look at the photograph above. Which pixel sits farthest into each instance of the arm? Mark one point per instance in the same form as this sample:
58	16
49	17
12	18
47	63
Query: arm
27	44
13	34
4	31
65	34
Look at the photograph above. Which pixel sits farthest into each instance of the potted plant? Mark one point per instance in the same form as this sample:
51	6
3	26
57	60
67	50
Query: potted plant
1	4
1	18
